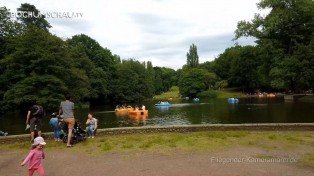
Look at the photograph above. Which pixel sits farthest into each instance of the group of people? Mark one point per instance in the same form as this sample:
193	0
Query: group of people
64	116
36	113
136	108
34	122
163	102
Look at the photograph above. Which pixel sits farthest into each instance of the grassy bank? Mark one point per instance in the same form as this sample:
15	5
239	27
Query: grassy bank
228	93
308	98
174	93
300	143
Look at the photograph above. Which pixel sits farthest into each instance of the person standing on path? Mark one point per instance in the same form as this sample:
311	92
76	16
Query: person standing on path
34	118
67	110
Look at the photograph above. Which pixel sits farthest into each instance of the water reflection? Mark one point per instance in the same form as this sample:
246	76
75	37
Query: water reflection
162	108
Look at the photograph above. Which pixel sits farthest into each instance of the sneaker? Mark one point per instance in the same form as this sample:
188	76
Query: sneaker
89	137
93	137
5	134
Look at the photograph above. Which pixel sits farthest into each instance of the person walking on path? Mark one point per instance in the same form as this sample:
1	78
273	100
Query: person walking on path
35	157
67	110
34	118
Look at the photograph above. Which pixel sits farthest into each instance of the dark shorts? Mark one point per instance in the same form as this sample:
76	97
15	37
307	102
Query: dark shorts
34	121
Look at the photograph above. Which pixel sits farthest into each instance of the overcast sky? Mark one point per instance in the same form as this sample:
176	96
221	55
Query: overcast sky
157	30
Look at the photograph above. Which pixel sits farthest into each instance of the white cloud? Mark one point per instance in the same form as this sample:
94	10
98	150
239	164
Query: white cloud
157	30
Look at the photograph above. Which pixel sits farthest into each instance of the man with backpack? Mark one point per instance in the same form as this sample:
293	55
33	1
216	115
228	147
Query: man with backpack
34	118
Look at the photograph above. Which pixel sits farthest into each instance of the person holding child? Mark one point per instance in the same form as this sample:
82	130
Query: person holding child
35	157
92	125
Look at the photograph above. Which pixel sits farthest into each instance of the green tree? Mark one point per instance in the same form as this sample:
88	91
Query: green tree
130	82
9	28
40	62
31	16
158	82
97	62
244	69
223	63
165	78
192	56
281	35
150	77
100	56
194	81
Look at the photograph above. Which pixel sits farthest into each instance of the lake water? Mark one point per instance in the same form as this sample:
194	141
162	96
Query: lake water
183	112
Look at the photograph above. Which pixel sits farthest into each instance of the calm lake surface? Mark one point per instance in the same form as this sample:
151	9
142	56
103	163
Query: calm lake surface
183	112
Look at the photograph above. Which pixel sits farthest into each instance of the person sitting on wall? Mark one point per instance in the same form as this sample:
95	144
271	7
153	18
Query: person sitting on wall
92	125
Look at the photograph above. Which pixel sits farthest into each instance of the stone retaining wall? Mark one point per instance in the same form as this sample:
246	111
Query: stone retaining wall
181	129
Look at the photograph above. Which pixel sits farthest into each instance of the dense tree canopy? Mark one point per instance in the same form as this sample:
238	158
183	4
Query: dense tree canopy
283	36
37	66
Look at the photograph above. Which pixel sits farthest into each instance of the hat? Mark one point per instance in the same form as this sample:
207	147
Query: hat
39	140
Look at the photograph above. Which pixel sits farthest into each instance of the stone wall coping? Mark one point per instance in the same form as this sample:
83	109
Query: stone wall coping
183	128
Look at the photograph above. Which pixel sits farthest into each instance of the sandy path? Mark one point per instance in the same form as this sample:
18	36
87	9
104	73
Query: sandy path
65	162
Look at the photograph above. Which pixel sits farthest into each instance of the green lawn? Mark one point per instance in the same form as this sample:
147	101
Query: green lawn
228	94
308	98
172	93
210	141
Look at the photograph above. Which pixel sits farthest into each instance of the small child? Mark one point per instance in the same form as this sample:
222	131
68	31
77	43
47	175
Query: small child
35	157
92	125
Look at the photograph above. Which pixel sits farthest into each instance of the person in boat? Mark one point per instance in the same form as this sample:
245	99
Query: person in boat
136	108
143	107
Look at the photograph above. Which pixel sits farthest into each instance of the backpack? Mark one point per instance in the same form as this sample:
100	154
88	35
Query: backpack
38	111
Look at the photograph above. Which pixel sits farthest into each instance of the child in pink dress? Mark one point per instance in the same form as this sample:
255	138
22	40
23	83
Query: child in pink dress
35	156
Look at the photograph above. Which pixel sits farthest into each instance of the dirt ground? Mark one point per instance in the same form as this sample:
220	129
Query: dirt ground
238	162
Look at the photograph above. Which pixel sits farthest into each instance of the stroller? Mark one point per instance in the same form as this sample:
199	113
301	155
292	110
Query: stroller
78	134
